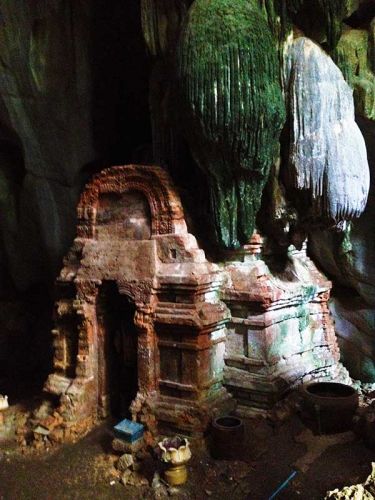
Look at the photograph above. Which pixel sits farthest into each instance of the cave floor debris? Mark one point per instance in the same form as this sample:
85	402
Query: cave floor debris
85	470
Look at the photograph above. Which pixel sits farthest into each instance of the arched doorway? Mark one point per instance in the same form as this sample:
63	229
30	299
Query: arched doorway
117	351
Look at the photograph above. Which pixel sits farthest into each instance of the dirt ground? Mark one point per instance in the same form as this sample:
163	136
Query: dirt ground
84	470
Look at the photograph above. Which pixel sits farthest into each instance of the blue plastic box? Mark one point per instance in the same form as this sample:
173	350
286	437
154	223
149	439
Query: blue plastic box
129	431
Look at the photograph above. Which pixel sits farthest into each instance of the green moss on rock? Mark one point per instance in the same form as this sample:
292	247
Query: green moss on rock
353	57
233	108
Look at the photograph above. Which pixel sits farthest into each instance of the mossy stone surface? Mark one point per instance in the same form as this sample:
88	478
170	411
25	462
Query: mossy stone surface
353	56
233	110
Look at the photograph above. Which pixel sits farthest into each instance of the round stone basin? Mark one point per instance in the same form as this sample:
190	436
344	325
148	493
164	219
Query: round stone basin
328	407
330	390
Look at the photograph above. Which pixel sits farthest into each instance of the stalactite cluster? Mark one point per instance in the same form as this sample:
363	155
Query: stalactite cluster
233	109
327	157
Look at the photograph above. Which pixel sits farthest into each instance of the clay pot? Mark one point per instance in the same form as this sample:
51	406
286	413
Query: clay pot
328	407
176	475
175	452
227	438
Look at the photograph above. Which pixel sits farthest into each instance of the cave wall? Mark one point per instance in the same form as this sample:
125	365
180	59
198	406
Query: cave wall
71	83
348	257
319	179
73	98
46	97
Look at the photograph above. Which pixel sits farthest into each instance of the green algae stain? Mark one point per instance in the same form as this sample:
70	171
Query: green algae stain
284	337
345	254
352	55
368	370
233	111
303	319
308	292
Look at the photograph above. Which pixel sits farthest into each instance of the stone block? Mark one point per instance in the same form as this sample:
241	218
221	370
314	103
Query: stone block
125	462
122	446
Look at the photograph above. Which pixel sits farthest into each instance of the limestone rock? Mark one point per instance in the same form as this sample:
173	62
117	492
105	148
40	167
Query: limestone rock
126	476
161	20
134	479
328	168
45	117
3	402
228	79
173	491
321	19
354	53
161	492
125	462
355	326
356	492
156	481
350	258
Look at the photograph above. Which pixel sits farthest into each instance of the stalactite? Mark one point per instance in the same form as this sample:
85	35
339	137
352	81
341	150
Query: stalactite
232	107
327	159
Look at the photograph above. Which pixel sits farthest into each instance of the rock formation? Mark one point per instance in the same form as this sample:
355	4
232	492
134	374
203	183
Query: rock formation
321	20
66	101
354	55
46	111
230	90
253	134
327	168
348	257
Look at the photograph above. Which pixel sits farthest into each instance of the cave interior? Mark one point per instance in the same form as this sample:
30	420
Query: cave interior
187	210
